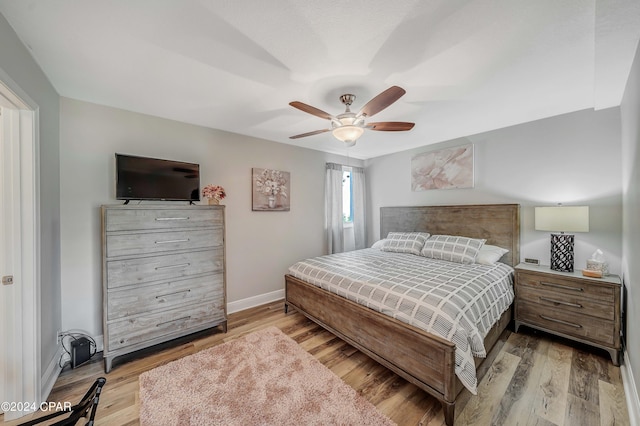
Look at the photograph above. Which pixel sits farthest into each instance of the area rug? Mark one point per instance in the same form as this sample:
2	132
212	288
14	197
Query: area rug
264	378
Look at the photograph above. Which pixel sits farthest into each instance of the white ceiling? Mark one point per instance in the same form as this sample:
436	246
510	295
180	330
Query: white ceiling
467	66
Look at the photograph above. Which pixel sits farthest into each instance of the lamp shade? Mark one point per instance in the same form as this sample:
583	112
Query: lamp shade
562	219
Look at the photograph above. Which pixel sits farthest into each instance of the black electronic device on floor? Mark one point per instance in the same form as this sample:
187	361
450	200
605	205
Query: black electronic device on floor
80	351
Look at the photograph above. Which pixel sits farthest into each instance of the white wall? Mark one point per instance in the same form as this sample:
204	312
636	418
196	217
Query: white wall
16	62
630	112
260	245
572	159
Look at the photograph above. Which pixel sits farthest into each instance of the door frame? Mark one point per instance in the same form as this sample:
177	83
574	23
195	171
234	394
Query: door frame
21	313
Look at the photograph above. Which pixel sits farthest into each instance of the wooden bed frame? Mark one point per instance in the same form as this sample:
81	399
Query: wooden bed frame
424	359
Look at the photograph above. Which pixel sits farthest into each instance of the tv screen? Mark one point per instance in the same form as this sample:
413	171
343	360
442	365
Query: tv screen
142	178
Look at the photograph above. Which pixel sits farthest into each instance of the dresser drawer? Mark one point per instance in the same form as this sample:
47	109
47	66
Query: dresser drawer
135	243
569	302
567	286
136	300
141	270
560	320
139	329
153	218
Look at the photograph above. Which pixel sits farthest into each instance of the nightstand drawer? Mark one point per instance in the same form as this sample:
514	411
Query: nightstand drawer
567	302
563	321
569	286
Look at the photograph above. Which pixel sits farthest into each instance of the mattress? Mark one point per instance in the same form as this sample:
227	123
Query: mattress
455	301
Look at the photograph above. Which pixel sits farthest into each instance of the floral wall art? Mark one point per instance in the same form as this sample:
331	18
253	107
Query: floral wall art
271	190
443	169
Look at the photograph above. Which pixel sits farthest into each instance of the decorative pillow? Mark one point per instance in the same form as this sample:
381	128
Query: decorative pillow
379	244
488	254
452	248
405	242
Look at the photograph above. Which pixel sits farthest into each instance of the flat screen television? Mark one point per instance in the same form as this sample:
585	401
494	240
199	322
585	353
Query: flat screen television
142	178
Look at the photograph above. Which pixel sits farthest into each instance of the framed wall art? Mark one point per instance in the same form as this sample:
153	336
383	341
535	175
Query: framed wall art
270	190
447	168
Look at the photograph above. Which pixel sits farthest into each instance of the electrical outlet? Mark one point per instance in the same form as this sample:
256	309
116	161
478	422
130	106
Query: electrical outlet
60	337
532	261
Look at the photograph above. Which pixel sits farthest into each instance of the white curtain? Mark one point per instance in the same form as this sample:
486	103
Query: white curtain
333	208
358	201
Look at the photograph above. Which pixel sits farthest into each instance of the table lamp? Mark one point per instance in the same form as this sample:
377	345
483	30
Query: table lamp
562	219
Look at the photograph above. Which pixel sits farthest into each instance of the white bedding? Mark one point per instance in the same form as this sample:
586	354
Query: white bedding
455	301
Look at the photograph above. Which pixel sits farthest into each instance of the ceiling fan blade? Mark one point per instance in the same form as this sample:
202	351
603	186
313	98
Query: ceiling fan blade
311	110
303	135
390	126
382	101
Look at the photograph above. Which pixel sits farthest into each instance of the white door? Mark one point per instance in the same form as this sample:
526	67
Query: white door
3	269
9	256
19	305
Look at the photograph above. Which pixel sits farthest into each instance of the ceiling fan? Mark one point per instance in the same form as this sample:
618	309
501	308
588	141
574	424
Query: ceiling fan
349	126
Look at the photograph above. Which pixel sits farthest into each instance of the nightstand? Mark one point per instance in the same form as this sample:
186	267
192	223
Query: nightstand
570	305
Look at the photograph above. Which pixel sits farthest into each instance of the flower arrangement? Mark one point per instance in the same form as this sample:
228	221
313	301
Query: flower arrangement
213	191
271	182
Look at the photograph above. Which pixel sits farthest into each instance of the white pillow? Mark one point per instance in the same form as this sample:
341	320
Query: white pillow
405	242
378	244
488	254
452	248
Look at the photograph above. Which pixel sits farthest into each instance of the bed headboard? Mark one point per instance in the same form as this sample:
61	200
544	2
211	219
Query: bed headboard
499	224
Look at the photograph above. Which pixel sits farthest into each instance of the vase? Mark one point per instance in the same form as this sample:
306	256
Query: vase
272	202
214	201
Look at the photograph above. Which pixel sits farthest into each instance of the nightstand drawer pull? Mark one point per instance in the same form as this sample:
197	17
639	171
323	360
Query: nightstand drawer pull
172	218
560	302
560	321
564	287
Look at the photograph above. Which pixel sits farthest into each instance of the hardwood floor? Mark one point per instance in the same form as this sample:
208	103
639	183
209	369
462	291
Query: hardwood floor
535	379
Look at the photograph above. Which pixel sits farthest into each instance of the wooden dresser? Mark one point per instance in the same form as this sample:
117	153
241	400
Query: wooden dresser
570	305
163	274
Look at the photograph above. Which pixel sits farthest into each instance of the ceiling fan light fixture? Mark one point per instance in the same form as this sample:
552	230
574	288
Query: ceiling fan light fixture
348	134
349	126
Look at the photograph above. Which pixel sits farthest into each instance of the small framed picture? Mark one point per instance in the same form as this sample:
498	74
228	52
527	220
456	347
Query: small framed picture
270	190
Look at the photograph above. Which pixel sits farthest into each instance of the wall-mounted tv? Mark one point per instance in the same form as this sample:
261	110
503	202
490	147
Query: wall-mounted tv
142	178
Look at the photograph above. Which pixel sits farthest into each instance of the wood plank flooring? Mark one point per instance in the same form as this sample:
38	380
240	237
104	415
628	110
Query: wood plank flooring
535	379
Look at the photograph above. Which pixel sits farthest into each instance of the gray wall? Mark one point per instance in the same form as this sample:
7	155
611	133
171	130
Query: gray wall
572	159
260	245
630	111
17	63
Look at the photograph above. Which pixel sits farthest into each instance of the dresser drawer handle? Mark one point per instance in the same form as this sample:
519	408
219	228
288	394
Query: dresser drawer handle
560	302
182	265
172	218
186	240
175	320
174	293
560	321
564	287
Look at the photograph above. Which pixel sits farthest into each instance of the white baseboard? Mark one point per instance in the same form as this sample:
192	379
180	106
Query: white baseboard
630	392
50	375
99	343
251	302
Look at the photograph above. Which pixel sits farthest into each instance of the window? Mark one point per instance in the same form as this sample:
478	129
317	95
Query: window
347	197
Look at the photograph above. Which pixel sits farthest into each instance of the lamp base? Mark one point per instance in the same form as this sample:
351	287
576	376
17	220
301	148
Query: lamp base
562	252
